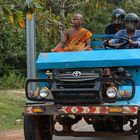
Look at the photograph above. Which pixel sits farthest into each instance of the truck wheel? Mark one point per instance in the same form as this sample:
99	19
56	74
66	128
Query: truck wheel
138	123
116	125
37	127
98	125
106	125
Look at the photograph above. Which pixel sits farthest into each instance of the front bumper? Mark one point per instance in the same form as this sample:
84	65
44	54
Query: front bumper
84	95
43	109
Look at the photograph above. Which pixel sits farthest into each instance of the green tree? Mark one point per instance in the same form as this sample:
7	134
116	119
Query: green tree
52	19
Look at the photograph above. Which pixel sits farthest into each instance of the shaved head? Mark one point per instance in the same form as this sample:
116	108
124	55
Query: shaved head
77	20
79	16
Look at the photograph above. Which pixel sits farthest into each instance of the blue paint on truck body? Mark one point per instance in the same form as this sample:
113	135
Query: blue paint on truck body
129	58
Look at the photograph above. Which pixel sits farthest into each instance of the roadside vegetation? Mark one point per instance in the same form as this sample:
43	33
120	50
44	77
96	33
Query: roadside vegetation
12	81
11	108
52	19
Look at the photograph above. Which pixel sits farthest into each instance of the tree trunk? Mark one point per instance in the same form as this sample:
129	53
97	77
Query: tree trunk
62	14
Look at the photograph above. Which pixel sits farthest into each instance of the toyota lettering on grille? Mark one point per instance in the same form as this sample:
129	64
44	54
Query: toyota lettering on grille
76	73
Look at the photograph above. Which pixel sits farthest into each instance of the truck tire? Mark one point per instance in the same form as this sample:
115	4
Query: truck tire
103	125
138	123
37	127
98	125
116	125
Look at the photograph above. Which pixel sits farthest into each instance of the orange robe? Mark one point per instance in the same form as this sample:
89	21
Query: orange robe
77	42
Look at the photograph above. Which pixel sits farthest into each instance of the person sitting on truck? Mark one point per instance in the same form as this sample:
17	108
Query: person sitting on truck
76	38
117	21
130	32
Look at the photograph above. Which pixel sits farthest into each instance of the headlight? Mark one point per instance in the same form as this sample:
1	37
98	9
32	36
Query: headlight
44	92
111	92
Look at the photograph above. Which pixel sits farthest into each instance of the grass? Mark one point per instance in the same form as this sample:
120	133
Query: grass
11	108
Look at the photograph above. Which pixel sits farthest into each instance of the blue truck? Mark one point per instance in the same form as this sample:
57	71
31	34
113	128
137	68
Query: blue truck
100	87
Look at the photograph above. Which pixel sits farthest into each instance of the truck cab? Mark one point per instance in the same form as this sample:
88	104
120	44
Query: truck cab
100	87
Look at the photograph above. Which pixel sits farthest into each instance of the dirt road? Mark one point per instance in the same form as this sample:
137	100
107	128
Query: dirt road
12	135
18	135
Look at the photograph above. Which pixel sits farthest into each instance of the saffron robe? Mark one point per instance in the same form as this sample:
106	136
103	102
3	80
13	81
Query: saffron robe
77	42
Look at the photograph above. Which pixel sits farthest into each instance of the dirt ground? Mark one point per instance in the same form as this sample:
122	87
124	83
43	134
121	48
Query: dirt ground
12	135
18	134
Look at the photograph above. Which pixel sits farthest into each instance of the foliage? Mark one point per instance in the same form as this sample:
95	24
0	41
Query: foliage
15	12
12	49
52	19
12	81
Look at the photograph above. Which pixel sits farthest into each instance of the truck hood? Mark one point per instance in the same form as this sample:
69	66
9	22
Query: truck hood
83	59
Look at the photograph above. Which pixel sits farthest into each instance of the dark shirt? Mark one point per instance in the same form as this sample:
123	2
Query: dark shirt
110	29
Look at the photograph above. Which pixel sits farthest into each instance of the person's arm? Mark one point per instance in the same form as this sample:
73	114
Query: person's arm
135	44
62	42
88	44
88	37
116	38
138	41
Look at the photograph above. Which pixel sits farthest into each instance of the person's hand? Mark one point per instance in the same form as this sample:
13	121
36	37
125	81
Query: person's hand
106	42
52	50
132	43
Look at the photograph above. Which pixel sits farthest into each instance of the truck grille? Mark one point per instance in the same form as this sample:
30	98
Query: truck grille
76	75
75	85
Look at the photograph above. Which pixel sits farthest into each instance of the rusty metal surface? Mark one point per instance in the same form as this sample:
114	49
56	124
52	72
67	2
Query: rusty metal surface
61	110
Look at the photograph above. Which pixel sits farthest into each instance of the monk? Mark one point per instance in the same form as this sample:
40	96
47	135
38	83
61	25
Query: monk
76	38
